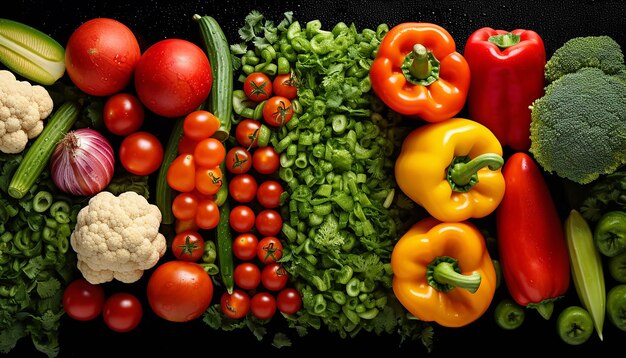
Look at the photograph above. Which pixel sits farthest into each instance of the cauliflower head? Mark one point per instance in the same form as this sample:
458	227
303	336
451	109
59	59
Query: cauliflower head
23	107
117	237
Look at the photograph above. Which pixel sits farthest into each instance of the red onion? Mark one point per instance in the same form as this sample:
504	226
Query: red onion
82	162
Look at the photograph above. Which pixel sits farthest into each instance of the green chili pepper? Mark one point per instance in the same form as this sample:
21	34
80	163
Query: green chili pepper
42	201
610	233
616	306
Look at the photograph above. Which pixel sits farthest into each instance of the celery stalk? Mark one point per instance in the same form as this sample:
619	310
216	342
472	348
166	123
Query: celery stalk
586	265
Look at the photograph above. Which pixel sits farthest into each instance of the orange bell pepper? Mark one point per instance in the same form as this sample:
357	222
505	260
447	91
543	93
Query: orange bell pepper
443	272
417	72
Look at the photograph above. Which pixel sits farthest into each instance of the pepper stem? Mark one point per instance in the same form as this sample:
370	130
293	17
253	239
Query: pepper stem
420	66
505	40
444	274
462	173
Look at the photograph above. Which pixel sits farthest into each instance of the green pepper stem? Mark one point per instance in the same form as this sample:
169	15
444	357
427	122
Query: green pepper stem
445	274
462	175
505	40
420	66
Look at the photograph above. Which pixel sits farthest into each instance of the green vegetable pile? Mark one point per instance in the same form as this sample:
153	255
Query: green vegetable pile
345	212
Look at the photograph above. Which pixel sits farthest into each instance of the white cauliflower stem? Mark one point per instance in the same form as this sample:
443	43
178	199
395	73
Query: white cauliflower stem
117	237
23	107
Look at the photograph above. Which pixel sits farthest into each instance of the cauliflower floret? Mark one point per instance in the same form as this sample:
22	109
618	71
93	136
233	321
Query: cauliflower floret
117	237
23	107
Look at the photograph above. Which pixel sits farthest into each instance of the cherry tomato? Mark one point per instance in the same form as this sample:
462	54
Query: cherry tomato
277	111
265	160
247	275
141	153
257	86
285	85
289	300
247	133
268	222
173	77
235	305
185	206
184	225
269	249
188	246
179	291
83	300
208	180
122	312
245	246
123	114
101	56
241	218
238	160
181	175
200	124
268	194
263	305
186	145
207	214
274	276
242	188
209	153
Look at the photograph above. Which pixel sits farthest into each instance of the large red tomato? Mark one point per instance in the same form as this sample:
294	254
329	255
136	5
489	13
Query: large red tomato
101	55
179	291
173	77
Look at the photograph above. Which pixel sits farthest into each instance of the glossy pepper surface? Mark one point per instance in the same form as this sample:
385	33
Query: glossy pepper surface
530	237
507	76
452	169
418	72
442	272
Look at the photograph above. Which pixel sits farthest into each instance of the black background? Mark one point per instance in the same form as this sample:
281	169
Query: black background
154	20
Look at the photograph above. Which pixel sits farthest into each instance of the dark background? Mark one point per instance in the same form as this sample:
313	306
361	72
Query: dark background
154	20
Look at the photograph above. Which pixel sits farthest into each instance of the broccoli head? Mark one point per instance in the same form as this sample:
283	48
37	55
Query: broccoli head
590	51
578	127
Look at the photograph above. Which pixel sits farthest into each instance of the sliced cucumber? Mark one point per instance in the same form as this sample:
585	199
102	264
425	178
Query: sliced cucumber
31	53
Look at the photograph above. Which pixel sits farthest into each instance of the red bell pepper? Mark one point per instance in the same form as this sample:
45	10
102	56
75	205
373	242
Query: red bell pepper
531	240
507	71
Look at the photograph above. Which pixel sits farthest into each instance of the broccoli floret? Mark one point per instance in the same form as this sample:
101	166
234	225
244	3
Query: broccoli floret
578	128
590	51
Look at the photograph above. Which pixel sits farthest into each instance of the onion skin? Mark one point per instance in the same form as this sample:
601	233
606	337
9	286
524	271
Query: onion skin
82	163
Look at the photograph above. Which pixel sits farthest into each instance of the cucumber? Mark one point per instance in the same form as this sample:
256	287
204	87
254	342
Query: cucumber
39	153
165	194
31	53
224	243
220	101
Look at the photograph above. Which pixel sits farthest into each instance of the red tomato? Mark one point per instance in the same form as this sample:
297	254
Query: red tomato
122	312
289	300
257	86
209	180
242	188
184	225
265	160
209	153
179	291
247	133
188	246
235	305
186	145
82	300
277	111
185	206
101	55
173	77
247	275
274	276
123	114
238	160
241	218
285	85
181	175
268	222
263	305
141	153
268	194
269	249
200	124
207	214
245	246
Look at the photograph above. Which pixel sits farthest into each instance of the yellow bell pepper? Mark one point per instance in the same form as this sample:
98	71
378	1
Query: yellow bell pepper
452	169
443	272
